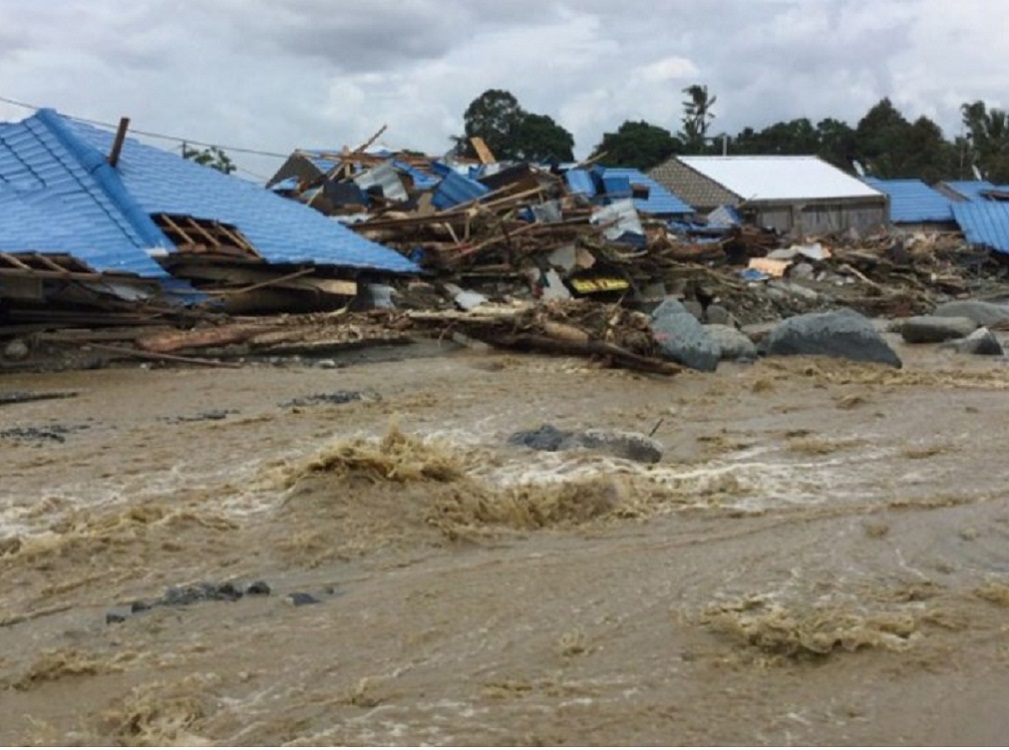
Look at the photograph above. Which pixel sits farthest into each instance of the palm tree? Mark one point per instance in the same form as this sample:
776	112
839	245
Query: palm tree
697	116
988	135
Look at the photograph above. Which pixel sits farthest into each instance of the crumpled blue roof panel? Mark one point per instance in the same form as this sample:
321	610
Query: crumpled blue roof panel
455	189
50	202
969	189
660	201
912	201
283	231
421	179
580	181
984	224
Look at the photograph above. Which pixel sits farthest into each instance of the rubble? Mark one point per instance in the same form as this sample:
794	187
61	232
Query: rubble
559	259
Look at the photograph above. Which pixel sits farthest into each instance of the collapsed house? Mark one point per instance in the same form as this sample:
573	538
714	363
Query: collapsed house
799	195
83	209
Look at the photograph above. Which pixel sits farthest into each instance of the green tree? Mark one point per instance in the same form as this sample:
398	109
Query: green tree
511	132
697	118
928	156
491	116
881	138
212	157
836	143
538	138
988	139
637	144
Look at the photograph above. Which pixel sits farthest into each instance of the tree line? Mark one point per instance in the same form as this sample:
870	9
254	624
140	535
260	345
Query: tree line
884	143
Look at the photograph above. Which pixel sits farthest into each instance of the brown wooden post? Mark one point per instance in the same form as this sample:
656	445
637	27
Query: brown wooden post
117	144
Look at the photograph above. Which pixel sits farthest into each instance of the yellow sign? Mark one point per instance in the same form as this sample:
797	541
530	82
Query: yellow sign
587	286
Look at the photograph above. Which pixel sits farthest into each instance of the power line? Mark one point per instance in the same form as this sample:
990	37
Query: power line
162	136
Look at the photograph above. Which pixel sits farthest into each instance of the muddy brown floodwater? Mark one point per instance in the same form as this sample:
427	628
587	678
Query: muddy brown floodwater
821	556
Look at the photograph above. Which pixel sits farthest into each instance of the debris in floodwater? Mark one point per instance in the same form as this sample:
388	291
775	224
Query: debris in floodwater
300	599
20	397
809	632
335	398
203	416
181	596
39	436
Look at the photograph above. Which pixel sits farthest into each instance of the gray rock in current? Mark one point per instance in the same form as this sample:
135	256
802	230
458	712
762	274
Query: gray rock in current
983	313
982	342
16	350
543	438
116	615
300	599
681	337
934	329
839	333
633	446
732	343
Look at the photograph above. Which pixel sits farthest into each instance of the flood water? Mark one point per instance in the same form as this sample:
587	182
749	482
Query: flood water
821	556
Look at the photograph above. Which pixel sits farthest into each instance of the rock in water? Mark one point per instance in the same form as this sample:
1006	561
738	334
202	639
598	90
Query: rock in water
633	446
934	329
840	333
630	445
982	313
732	343
981	342
543	438
682	338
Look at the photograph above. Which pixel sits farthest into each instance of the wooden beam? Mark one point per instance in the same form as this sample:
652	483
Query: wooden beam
117	144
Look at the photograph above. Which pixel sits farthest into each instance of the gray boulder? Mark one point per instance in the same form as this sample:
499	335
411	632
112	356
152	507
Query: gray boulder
682	338
630	445
934	329
734	344
841	333
981	342
633	446
716	313
983	313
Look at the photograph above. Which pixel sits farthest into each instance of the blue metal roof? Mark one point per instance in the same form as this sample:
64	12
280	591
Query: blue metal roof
58	195
616	186
315	155
283	231
660	201
969	189
580	181
421	179
912	201
455	189
984	223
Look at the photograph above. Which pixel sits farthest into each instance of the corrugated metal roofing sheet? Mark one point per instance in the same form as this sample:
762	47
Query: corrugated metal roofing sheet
616	186
660	201
769	178
421	179
984	223
912	201
455	189
322	163
973	190
580	181
54	198
283	231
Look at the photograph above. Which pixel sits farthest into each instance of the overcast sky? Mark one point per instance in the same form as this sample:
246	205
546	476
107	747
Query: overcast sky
278	74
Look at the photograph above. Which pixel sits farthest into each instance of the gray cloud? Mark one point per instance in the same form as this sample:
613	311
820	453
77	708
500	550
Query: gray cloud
276	74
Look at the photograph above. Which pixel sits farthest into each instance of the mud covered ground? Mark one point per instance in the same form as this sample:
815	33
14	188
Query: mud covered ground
821	557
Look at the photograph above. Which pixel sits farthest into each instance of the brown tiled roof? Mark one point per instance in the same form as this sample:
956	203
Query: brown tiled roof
691	186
